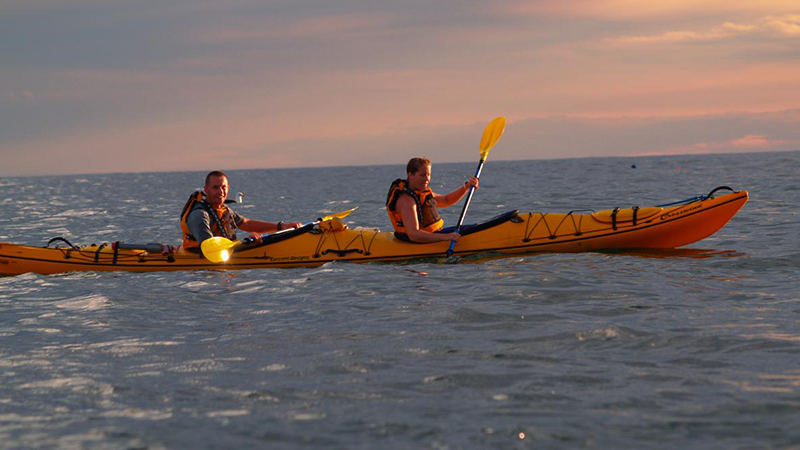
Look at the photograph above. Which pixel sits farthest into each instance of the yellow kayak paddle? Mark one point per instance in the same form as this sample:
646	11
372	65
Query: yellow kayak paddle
218	249
490	137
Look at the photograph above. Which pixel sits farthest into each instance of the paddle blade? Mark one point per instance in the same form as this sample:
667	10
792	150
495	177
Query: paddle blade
491	135
217	249
340	215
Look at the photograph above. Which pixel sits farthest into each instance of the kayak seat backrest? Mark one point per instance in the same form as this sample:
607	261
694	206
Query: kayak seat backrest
493	222
625	215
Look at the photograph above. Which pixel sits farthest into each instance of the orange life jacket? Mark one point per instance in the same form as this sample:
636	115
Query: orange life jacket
427	214
221	220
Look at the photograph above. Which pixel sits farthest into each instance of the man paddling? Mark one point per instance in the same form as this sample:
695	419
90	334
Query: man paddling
413	207
203	218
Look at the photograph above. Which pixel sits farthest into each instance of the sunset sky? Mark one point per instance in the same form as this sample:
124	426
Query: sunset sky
92	86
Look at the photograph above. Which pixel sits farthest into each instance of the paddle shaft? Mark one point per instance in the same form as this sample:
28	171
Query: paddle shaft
340	215
466	205
285	230
216	249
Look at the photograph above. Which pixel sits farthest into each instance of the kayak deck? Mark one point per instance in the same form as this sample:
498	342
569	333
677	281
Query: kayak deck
660	227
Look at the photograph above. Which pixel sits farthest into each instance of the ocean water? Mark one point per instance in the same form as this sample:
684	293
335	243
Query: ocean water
692	348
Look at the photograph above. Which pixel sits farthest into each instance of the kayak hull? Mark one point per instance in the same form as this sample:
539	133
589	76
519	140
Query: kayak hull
654	228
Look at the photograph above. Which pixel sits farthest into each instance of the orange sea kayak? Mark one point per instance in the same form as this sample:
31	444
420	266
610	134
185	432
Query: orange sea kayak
655	227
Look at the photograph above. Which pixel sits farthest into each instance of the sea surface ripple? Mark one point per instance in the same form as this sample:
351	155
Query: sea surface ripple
689	348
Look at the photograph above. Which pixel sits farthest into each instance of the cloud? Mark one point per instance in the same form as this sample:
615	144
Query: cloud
757	141
287	80
324	27
643	9
726	30
736	28
788	25
201	145
23	95
748	143
628	136
27	6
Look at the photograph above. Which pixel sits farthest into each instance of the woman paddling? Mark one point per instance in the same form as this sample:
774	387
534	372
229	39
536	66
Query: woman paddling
413	207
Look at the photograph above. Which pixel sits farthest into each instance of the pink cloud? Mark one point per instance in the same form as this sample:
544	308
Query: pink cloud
728	29
754	141
21	95
637	9
788	24
748	143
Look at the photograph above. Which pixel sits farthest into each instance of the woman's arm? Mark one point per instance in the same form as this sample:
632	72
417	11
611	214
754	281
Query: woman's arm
443	201
408	213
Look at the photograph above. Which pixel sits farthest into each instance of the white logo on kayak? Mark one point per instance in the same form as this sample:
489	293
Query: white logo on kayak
680	213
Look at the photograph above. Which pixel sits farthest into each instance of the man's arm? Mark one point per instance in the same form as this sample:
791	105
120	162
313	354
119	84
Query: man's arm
256	227
199	225
259	226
